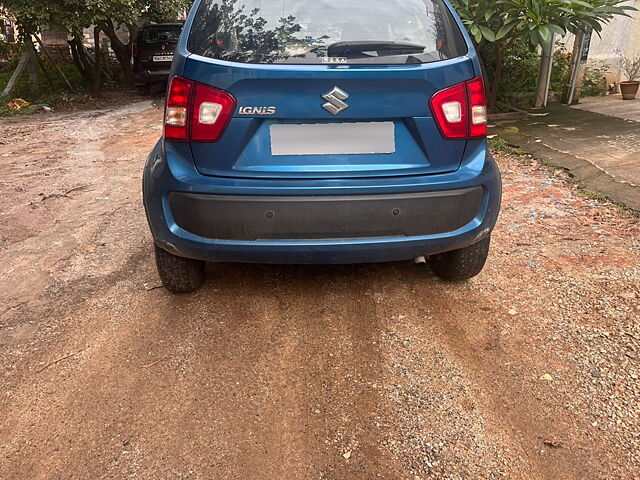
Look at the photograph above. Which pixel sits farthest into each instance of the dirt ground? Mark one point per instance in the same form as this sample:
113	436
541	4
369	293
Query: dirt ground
529	371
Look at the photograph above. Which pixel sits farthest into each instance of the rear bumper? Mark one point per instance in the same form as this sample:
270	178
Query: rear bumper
314	221
145	76
260	218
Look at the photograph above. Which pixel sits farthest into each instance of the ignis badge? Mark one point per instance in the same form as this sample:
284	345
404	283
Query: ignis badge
257	110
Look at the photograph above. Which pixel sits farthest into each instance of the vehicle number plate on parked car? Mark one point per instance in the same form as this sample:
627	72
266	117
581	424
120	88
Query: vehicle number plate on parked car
333	139
163	58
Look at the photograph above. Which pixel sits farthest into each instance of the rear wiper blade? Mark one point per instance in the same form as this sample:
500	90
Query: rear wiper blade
343	49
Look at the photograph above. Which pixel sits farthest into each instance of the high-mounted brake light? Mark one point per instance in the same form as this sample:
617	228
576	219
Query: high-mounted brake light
196	112
461	111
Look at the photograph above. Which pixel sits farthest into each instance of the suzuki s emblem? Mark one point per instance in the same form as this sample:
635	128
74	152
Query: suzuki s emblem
335	101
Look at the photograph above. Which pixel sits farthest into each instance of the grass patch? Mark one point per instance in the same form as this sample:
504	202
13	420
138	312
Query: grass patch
500	145
604	198
591	195
47	93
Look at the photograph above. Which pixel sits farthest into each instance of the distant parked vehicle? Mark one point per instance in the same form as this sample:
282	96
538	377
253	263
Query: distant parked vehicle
153	53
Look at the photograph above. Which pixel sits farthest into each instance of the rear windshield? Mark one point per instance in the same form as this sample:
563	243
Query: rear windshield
161	34
326	31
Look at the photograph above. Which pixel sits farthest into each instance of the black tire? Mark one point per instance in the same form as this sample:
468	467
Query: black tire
144	90
461	264
178	274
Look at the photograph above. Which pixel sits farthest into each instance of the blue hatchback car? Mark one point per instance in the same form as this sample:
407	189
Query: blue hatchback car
322	132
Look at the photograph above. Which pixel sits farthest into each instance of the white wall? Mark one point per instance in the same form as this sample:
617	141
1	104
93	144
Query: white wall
622	35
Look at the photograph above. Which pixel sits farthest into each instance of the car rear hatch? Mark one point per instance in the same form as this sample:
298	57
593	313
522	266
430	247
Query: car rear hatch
330	109
157	44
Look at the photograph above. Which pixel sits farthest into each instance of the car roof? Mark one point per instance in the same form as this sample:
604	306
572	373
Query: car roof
160	25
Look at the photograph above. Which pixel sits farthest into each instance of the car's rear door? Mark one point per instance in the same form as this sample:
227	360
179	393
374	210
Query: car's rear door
157	44
309	106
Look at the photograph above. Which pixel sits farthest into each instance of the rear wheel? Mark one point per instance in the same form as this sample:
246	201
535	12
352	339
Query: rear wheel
461	264
178	274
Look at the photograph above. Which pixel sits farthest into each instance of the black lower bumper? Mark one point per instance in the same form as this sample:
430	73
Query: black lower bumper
254	218
146	76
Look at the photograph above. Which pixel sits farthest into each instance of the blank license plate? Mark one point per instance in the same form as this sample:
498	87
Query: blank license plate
333	139
163	58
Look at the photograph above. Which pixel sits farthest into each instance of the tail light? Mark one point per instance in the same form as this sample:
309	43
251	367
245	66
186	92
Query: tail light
211	113
461	111
135	50
176	126
196	112
478	107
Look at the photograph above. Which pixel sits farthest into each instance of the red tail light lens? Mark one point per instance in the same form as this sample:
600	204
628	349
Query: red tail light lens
211	112
135	50
461	111
449	108
196	112
177	112
477	107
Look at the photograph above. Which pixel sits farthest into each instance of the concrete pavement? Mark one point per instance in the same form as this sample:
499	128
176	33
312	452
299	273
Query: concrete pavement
612	106
598	141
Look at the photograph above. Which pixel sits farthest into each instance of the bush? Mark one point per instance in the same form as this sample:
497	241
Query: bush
47	94
594	83
520	73
9	51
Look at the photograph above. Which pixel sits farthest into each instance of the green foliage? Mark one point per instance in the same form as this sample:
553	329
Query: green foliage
534	21
68	15
560	71
595	83
517	84
500	145
74	15
132	11
9	51
504	23
497	144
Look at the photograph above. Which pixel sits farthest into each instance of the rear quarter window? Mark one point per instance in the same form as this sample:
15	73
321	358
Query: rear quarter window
326	31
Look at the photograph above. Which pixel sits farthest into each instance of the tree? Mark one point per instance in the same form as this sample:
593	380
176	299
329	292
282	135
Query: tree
110	15
73	16
502	21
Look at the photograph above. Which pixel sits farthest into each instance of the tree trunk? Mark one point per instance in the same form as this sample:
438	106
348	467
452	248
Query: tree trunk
96	84
544	74
80	58
34	87
77	55
88	68
576	73
44	72
121	50
22	66
53	62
